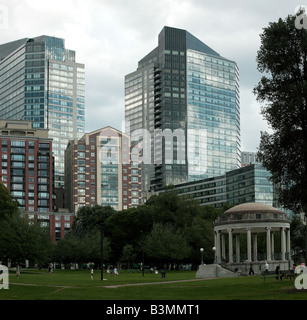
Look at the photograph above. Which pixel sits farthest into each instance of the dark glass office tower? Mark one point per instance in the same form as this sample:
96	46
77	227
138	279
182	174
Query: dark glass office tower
40	81
182	104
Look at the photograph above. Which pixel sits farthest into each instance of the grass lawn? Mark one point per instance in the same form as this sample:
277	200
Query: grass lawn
77	285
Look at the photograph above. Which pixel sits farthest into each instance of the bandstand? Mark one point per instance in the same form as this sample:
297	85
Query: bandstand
252	219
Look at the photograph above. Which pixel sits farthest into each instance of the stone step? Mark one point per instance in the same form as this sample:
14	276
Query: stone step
214	271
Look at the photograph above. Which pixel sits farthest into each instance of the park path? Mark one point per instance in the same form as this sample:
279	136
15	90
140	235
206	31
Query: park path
41	285
110	286
149	283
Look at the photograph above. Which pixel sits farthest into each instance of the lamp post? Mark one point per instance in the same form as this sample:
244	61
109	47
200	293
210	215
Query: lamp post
214	249
202	255
142	235
101	242
143	258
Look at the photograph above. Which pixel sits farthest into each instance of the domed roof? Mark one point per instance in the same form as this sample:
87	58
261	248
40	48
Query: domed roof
253	207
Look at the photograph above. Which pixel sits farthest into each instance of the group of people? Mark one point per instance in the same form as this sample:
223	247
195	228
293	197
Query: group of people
251	269
154	270
115	272
266	269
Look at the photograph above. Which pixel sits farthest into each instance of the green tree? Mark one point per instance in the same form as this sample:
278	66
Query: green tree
165	244
89	219
75	250
283	90
129	255
8	206
21	240
169	207
128	227
298	229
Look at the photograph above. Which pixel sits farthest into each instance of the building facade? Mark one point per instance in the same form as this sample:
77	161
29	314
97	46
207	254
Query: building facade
182	104
248	158
243	185
59	223
27	165
41	81
102	168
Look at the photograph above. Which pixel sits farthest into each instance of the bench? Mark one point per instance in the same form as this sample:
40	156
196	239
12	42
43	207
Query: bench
287	274
278	276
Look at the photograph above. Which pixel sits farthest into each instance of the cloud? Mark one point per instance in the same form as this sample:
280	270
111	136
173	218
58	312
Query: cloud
110	37
251	121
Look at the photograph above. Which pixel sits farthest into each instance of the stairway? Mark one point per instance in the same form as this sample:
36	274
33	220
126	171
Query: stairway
214	271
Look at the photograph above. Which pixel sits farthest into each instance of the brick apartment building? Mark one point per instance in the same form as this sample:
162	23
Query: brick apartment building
102	168
27	170
27	165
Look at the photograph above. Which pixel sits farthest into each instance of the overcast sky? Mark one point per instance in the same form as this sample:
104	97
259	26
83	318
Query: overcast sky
111	36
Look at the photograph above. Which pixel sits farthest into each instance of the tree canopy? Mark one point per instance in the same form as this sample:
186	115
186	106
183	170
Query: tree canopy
20	239
169	228
282	57
8	206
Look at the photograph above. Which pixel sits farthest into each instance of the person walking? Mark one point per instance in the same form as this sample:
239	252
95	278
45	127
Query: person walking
92	273
17	271
251	271
266	267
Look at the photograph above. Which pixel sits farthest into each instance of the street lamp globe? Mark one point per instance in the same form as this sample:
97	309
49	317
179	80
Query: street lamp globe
202	255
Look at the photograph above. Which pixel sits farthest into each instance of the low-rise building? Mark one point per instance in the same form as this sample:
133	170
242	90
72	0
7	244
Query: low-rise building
246	184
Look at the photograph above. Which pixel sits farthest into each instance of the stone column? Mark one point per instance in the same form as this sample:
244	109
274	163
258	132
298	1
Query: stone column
283	244
288	244
230	251
255	245
218	247
249	245
238	248
223	246
272	245
268	244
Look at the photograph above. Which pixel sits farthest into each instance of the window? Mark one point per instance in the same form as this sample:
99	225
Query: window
44	146
81	191
81	147
17	143
81	162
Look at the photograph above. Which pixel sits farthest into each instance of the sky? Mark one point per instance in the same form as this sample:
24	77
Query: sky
111	36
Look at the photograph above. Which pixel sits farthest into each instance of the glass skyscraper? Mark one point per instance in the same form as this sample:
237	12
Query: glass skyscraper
41	81
182	104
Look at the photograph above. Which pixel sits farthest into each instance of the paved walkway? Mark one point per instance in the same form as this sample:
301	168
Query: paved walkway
41	285
110	286
147	283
